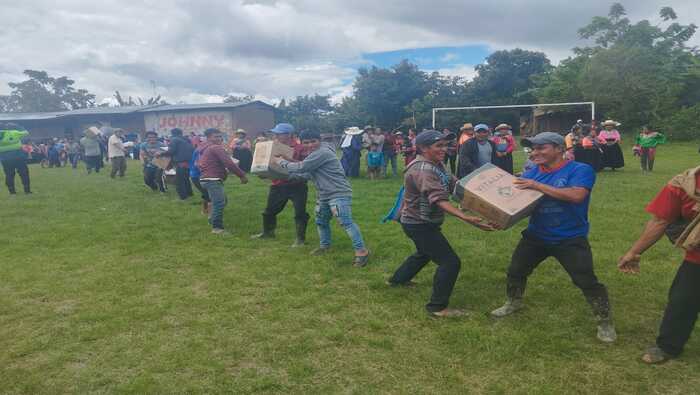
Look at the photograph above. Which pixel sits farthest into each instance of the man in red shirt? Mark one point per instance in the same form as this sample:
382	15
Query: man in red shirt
214	164
282	191
675	210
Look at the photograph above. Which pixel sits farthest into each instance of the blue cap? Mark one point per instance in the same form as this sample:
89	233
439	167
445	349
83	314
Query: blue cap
430	137
544	138
481	126
283	128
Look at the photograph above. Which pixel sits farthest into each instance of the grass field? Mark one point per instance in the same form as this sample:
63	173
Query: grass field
107	287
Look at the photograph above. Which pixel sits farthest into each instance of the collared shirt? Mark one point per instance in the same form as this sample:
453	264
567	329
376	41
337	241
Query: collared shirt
214	161
425	184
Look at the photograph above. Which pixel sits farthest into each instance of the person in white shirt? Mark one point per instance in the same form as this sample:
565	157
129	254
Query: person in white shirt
117	153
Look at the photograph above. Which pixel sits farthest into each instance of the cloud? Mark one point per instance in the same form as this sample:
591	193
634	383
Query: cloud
200	51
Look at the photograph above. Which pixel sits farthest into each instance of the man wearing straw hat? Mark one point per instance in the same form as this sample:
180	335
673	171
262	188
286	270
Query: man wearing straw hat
91	148
352	149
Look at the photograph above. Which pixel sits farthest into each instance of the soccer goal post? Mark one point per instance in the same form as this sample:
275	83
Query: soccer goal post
586	103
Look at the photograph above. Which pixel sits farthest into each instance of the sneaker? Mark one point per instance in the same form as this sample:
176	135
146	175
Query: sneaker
298	243
263	236
655	355
606	332
219	231
447	313
510	307
360	260
320	251
408	284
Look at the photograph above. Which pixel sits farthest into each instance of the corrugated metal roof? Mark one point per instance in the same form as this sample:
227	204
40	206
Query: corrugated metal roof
28	116
181	107
32	116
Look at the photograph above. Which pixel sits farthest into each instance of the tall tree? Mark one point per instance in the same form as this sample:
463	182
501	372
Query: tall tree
638	73
41	92
383	94
507	77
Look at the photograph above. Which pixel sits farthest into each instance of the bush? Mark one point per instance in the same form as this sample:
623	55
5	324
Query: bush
684	125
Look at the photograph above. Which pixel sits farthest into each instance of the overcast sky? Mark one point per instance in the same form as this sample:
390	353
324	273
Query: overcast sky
198	51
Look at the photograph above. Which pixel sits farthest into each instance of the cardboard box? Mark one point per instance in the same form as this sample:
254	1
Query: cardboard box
162	162
263	164
489	192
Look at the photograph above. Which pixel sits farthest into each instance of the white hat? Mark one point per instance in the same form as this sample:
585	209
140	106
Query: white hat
353	131
610	122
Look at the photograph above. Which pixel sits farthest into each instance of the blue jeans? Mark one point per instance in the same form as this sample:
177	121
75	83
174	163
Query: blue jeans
341	208
217	194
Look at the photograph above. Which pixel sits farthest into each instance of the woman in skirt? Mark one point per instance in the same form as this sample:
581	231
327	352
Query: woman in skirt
609	139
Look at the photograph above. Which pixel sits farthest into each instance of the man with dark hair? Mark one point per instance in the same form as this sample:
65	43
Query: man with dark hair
477	151
12	156
676	214
116	152
282	191
152	174
558	228
426	199
180	149
333	191
214	164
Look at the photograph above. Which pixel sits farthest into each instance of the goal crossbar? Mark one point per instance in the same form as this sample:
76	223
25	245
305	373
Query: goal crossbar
590	103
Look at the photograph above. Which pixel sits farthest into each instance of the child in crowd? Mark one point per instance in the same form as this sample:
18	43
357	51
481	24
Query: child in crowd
375	158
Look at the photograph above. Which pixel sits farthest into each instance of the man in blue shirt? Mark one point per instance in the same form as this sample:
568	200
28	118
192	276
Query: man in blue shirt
558	228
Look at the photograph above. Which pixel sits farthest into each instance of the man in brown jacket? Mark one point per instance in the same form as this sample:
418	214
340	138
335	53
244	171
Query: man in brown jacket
214	164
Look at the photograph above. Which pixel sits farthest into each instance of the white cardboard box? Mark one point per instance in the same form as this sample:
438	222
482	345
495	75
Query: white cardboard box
263	165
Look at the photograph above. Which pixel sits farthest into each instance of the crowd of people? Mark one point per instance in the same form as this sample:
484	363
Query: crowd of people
561	167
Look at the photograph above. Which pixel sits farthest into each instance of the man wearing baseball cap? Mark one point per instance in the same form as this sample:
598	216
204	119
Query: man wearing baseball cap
558	228
477	151
282	191
427	188
333	193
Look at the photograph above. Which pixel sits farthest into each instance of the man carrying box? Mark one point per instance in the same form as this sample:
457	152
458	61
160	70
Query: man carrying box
333	190
427	187
282	191
559	228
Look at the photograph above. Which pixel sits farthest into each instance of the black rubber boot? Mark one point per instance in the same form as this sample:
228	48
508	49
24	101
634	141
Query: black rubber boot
301	234
514	302
269	225
603	315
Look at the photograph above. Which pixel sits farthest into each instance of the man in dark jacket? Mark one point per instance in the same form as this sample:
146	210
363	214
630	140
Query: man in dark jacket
477	151
180	149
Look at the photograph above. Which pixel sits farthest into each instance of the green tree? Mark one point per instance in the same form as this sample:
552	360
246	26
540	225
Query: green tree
306	112
383	94
508	77
638	73
42	92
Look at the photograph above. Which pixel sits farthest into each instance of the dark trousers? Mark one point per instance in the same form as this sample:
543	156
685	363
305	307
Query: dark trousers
200	188
431	245
277	199
18	166
182	182
647	157
574	255
93	163
153	178
118	166
73	159
682	309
